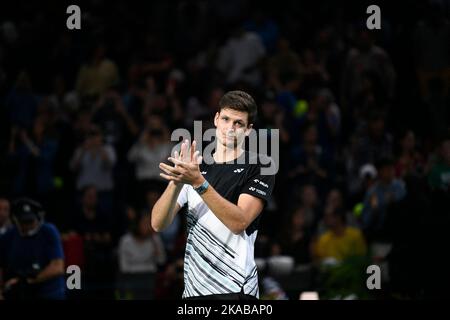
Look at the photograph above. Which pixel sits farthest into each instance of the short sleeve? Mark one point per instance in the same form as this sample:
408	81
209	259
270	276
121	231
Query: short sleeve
258	184
182	197
55	250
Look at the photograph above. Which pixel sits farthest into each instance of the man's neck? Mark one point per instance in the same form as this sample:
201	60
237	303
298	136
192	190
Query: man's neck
224	154
339	230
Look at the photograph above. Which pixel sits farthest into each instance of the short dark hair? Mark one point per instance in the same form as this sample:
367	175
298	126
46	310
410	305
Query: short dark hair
239	101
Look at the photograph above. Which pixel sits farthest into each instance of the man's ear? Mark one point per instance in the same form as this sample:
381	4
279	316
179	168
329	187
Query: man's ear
216	118
249	129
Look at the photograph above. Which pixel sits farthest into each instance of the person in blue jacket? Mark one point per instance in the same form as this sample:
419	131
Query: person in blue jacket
31	256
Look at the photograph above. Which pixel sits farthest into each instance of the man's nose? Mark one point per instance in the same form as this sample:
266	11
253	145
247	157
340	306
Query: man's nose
231	128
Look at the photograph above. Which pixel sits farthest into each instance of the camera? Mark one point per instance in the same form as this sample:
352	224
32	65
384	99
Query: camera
22	290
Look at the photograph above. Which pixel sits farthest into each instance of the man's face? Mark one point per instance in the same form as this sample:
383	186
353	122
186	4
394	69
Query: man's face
387	173
231	127
309	196
4	211
28	227
90	198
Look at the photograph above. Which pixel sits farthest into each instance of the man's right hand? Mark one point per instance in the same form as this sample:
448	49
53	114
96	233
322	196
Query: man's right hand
182	156
11	282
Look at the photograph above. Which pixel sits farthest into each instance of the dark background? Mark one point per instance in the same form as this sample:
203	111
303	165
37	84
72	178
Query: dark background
403	88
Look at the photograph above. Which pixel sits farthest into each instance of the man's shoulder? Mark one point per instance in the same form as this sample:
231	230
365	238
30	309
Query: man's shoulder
6	236
49	228
258	159
353	232
126	239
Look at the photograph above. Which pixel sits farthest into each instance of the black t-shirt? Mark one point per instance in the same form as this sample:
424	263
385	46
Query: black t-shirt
242	175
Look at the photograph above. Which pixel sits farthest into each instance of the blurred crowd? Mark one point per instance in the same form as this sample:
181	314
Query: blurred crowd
363	116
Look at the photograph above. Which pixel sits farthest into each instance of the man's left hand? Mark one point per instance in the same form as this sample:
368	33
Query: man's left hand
186	169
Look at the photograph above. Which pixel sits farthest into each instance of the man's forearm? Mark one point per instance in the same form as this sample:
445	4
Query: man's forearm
230	214
54	269
163	210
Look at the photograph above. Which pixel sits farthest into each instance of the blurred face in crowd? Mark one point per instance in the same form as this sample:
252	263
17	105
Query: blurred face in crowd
94	138
408	141
155	130
38	128
309	196
83	121
268	109
331	219
376	127
4	211
144	228
160	103
283	45
231	127
97	139
298	218
90	198
310	135
334	198
321	102
386	173
28	227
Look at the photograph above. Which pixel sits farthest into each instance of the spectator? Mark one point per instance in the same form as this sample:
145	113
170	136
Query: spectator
340	241
384	192
314	72
431	47
31	255
265	27
140	253
35	157
324	113
439	176
283	62
94	227
374	143
294	238
363	59
310	162
335	201
98	74
93	162
152	148
410	161
169	236
112	117
5	221
22	103
240	58
197	109
64	101
309	200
